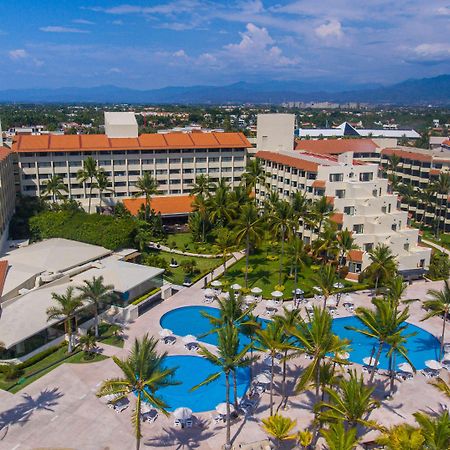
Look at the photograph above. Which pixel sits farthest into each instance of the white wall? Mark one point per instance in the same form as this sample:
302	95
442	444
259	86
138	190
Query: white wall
275	132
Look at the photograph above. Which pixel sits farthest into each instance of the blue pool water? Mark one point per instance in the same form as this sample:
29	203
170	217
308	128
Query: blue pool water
192	370
421	347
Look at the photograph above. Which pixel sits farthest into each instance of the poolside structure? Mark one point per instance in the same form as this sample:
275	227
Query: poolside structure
31	274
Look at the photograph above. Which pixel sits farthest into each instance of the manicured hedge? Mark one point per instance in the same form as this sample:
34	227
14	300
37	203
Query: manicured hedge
107	231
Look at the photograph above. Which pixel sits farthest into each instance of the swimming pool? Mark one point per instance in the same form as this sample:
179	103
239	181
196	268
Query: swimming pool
192	370
421	347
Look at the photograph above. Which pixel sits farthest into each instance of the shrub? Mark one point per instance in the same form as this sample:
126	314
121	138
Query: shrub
439	266
12	372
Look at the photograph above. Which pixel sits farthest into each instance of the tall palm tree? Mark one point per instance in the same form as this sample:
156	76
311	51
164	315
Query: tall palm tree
144	374
200	205
442	189
300	205
202	186
439	305
250	229
53	188
88	173
383	264
146	186
225	244
65	309
226	359
254	174
338	438
325	279
221	208
280	428
96	294
282	224
346	242
321	210
326	244
298	255
102	181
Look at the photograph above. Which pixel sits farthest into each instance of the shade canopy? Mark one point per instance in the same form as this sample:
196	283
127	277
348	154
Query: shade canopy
368	361
216	283
298	291
182	413
277	294
263	378
348	300
343	355
433	364
189	339
271	304
209	293
406	367
166	333
221	408
256	290
338	285
249	299
236	286
331	302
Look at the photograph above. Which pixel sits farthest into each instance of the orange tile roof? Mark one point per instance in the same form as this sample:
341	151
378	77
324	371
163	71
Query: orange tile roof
330	199
447	143
406	154
355	255
3	271
4	152
435	171
319	183
352	276
164	204
291	161
169	141
336	146
337	218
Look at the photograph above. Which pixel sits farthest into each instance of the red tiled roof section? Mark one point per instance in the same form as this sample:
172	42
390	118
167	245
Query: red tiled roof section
55	143
336	146
166	205
291	161
447	143
407	155
352	276
435	171
4	152
355	255
337	218
319	183
3	271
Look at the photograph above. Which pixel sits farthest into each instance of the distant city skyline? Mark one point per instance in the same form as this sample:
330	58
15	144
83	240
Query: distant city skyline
149	44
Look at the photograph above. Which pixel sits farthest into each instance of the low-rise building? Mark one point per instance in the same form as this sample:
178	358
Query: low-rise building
7	192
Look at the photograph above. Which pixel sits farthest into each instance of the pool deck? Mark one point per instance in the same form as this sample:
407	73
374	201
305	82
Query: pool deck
60	410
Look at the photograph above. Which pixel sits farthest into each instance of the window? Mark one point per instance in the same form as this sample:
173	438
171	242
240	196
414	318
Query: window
340	193
44	164
133	162
368	246
349	210
366	176
227	158
358	228
406	246
161	172
214	159
161	161
239	158
175	181
104	163
59	164
119	162
336	176
201	160
188	160
394	227
188	170
354	267
174	160
375	192
174	171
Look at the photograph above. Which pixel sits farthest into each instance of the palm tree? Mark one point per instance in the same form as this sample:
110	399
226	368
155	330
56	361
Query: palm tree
144	373
281	223
321	210
88	342
200	205
202	186
300	205
220	207
53	188
96	294
146	186
249	228
325	279
88	172
351	403
316	339
143	236
67	306
225	244
226	359
304	438
442	385
299	256
435	430
442	188
338	438
439	305
272	340
345	242
254	174
402	437
383	264
326	244
102	182
279	427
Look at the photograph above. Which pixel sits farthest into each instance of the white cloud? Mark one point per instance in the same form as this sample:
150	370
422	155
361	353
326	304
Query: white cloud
83	22
60	29
117	22
180	54
443	11
19	53
330	29
433	52
114	70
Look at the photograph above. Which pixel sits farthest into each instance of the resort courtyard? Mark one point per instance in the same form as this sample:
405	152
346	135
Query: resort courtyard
61	410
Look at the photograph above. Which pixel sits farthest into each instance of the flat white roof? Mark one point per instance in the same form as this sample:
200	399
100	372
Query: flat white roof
120	118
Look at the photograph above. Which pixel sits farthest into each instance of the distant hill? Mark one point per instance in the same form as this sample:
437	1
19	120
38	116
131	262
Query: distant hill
424	91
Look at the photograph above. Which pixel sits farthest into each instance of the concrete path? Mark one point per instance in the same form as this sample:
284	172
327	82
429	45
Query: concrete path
437	246
158	246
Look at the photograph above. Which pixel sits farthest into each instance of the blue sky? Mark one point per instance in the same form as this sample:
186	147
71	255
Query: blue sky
150	44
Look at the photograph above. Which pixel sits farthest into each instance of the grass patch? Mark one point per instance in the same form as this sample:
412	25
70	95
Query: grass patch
107	336
263	273
185	243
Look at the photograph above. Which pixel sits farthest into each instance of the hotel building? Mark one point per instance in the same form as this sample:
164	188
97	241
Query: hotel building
360	198
7	193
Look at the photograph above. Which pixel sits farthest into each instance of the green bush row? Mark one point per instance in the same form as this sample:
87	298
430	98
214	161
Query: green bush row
145	296
107	231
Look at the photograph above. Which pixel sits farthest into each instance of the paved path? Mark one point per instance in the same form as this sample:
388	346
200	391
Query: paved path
158	246
437	246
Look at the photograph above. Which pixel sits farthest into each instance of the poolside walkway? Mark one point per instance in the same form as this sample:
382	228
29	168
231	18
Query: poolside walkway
61	409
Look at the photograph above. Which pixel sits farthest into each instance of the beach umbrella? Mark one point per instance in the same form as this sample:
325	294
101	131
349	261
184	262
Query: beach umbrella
182	413
309	306
263	378
221	408
338	285
368	361
270	304
433	364
331	302
256	290
290	307
216	283
209	293
236	287
277	294
146	407
317	288
405	367
343	355
165	333
348	300
298	291
189	339
249	299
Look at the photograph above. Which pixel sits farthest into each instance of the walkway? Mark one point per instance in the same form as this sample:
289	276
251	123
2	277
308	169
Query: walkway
158	246
436	246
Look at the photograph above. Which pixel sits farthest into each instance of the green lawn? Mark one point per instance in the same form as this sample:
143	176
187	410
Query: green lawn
177	275
264	274
444	239
184	242
42	367
107	336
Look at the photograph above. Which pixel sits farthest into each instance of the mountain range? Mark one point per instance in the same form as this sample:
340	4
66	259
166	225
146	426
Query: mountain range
435	91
